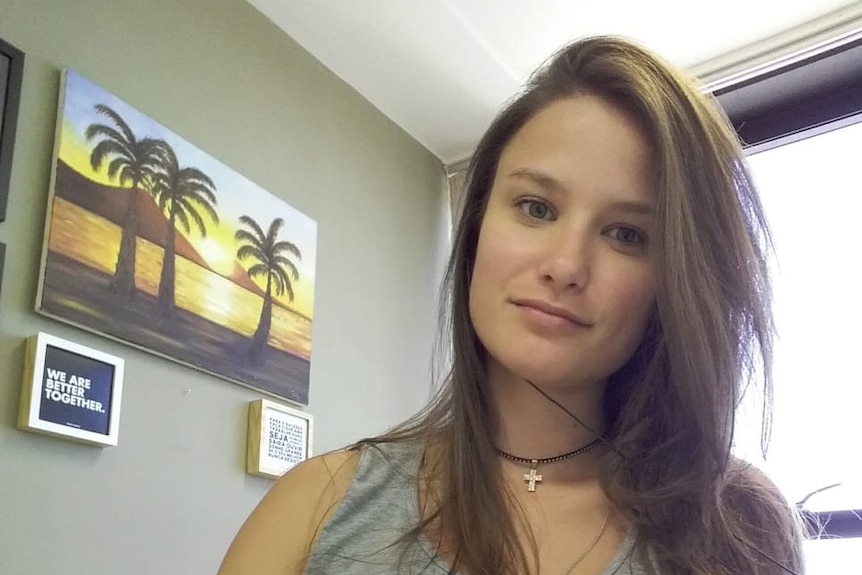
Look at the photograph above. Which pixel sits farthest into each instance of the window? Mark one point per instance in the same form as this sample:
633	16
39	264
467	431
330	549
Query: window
812	194
802	124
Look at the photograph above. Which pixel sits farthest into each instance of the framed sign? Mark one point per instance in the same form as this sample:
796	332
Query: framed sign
71	391
279	437
11	76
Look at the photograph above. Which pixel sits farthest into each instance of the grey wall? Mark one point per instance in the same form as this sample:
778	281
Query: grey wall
171	496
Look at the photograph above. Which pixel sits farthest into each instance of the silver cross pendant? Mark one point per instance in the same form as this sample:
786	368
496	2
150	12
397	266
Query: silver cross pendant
532	477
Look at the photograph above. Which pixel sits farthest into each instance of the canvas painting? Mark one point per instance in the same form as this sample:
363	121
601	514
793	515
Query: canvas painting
151	241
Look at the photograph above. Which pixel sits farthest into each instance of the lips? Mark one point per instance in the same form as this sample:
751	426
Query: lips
553	310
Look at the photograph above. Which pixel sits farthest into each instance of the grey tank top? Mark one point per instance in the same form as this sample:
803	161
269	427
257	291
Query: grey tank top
381	504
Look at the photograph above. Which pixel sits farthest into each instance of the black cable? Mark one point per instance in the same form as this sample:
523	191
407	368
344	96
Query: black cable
570	414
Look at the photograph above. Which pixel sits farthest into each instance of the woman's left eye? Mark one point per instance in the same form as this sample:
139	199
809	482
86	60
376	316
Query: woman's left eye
628	235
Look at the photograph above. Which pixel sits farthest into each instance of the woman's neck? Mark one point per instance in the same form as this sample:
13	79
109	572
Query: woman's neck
530	425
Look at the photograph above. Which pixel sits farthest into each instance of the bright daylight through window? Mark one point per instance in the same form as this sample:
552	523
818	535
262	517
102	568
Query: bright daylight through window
812	194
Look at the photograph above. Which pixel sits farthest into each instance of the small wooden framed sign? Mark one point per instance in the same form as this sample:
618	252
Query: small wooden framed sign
71	391
279	437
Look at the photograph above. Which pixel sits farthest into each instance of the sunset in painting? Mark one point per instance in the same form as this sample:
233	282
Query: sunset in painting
154	242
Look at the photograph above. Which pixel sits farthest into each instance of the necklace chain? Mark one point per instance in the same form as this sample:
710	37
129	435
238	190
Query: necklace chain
592	544
534	461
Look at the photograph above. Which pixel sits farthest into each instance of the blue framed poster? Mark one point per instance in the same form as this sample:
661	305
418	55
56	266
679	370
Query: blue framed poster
71	391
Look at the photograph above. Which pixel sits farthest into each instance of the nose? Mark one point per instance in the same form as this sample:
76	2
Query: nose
567	259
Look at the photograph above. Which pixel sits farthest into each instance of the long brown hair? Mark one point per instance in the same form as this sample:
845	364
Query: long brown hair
671	408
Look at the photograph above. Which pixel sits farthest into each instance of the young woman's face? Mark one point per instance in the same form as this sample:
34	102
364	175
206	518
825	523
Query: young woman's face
562	286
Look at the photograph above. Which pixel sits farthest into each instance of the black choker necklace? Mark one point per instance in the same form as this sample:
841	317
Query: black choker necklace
533	476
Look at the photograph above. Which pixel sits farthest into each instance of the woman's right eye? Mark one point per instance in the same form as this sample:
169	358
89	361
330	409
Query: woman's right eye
535	208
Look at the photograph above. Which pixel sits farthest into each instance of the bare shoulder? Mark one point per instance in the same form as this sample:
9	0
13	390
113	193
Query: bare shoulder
279	534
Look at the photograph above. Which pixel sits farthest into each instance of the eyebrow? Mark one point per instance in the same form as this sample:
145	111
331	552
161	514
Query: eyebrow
634	207
554	186
543	180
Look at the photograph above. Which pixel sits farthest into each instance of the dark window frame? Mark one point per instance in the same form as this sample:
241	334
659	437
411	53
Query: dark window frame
842	523
817	94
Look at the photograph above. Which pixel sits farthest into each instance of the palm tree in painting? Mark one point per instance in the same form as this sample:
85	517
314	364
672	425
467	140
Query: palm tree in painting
132	160
184	194
272	263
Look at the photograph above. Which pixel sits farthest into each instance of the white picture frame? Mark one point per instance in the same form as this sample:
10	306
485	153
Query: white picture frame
279	437
71	391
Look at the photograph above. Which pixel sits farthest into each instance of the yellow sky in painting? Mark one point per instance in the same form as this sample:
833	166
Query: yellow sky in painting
233	193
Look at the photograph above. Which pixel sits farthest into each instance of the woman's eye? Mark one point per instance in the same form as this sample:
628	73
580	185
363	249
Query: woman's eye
628	236
535	209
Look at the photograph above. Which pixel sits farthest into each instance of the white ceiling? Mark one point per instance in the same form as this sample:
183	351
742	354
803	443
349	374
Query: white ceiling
440	69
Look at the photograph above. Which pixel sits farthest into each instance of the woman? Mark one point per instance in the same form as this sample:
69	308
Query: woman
608	302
